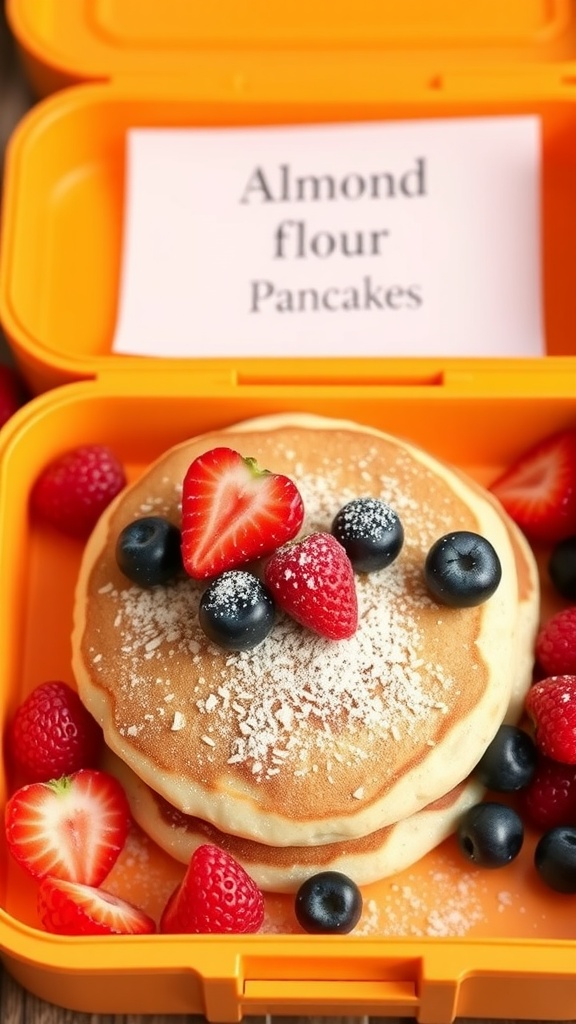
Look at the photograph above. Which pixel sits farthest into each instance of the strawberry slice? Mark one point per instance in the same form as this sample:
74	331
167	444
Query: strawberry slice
72	828
233	512
70	908
539	490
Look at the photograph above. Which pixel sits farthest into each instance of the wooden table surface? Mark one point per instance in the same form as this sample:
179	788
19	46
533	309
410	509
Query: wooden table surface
19	1007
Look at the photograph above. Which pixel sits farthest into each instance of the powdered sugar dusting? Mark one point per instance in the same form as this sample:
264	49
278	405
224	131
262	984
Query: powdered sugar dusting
436	902
232	591
433	903
376	678
280	706
369	516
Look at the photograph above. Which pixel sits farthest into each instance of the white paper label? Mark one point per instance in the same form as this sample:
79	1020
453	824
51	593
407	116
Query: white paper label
414	238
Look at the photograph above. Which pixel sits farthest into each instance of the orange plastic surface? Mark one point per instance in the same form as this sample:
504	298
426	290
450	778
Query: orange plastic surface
436	941
67	41
64	187
439	940
63	215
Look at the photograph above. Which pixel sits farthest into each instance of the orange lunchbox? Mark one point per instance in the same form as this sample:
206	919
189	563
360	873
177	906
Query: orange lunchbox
440	940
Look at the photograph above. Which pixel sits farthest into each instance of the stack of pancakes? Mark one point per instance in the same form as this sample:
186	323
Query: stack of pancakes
305	753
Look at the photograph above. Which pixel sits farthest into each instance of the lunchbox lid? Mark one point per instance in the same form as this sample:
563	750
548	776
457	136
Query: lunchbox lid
79	40
141	63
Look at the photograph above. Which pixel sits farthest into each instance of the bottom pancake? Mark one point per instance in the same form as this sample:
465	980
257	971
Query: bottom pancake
284	868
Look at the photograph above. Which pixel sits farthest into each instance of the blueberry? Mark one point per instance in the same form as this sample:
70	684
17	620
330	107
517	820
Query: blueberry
509	761
328	903
462	569
370	532
490	834
562	568
236	611
555	858
148	551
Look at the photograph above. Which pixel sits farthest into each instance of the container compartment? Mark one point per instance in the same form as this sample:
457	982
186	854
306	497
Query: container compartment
65	195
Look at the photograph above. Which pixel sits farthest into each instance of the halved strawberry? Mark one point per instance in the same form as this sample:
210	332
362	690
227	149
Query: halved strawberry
233	512
539	490
72	828
70	908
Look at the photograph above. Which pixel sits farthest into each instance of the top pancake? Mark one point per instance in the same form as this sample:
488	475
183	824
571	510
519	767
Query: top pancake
303	740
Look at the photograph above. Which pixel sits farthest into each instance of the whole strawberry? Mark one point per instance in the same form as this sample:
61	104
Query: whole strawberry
216	895
52	734
551	705
72	491
549	799
313	582
556	644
